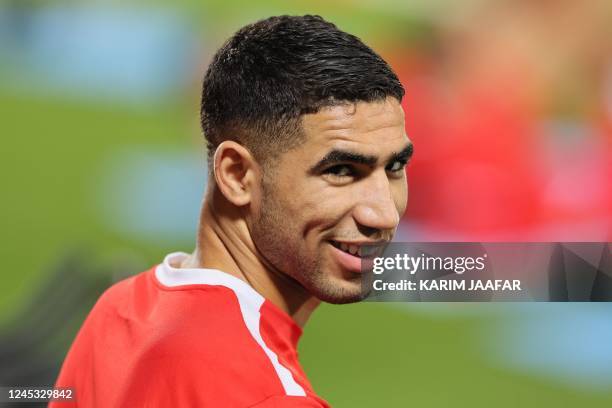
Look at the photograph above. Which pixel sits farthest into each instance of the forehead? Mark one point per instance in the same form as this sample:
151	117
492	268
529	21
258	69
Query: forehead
369	127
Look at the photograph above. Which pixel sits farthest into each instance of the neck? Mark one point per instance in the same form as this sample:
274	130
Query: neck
224	243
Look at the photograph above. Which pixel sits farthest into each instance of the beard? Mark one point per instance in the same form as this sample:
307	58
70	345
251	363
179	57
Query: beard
282	245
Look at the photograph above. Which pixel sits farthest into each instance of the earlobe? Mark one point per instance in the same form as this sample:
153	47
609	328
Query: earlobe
234	172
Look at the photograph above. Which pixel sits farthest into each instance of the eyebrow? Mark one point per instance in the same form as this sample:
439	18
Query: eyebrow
337	156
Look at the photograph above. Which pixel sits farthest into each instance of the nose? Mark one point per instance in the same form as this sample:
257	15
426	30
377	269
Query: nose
376	208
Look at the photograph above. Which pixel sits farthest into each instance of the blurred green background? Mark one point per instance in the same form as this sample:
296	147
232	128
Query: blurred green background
509	104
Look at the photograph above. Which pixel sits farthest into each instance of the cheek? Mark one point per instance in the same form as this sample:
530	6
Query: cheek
311	216
400	196
328	207
310	205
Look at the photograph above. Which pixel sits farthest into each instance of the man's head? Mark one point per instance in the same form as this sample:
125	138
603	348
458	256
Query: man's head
307	133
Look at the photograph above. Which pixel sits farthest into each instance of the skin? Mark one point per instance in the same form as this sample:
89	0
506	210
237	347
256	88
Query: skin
345	183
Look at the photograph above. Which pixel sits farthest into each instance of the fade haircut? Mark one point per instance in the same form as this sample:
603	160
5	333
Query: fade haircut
270	73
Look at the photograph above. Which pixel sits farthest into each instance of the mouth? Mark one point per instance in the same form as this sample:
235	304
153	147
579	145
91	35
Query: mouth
362	250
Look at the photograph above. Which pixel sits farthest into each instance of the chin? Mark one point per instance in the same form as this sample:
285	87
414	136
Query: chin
337	291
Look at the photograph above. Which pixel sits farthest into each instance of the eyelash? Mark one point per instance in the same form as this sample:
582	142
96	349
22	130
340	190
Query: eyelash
337	169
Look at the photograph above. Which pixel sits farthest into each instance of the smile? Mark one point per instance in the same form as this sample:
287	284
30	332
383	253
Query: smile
359	250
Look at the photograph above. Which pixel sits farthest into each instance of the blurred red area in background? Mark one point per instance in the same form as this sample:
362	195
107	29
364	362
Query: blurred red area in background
512	130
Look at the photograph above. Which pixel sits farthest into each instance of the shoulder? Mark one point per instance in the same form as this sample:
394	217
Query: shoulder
170	334
166	315
189	340
192	324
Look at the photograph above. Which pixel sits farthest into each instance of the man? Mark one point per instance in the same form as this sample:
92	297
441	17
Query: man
307	150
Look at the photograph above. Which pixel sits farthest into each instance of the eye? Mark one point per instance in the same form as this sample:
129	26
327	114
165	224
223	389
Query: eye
340	170
396	166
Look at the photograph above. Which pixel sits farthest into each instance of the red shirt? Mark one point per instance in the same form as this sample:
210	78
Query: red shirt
172	337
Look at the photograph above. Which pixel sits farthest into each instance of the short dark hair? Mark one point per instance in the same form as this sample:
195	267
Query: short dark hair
271	72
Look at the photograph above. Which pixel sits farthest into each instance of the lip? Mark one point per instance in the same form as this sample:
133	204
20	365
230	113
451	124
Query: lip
351	262
347	261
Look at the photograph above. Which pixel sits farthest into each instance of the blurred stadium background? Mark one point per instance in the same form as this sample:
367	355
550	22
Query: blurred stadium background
509	104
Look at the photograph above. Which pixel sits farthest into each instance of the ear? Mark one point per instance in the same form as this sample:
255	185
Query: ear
236	172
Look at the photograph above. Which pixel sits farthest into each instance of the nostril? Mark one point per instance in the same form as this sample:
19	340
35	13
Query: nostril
368	231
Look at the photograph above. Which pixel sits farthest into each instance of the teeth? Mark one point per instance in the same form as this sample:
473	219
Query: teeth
371	251
348	248
366	251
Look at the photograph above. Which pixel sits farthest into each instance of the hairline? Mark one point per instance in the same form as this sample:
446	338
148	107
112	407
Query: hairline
300	136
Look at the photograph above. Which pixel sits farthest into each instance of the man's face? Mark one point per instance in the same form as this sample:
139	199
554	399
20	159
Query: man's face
344	187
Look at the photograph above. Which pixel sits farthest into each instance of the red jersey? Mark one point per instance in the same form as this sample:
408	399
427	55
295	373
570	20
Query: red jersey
171	337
